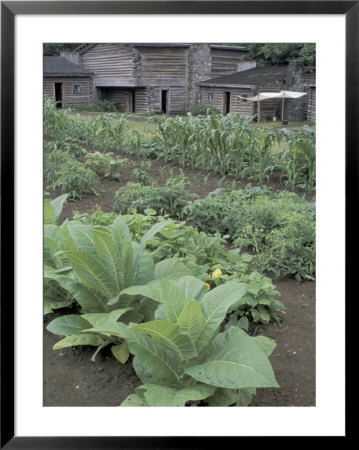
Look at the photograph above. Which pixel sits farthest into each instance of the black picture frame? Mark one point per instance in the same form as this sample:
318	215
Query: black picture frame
9	9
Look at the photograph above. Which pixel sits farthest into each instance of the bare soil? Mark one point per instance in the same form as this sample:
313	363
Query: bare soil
72	379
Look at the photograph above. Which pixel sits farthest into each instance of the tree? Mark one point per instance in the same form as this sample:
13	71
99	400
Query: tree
280	54
56	49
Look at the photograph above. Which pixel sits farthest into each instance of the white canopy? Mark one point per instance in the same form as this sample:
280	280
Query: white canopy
281	94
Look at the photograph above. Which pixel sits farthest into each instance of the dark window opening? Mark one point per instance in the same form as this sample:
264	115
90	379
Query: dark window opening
76	89
164	102
58	95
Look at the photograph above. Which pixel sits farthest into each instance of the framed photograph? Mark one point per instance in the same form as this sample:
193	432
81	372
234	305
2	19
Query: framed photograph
215	56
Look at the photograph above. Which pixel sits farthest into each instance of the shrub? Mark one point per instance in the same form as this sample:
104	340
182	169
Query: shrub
75	179
164	200
205	110
106	164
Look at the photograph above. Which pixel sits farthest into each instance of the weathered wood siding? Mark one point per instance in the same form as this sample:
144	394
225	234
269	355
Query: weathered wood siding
68	97
110	61
162	66
225	62
268	107
141	101
311	114
216	97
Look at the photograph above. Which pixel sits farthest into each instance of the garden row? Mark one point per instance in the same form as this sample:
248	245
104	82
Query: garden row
228	145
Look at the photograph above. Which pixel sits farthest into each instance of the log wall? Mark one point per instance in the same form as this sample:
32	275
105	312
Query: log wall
225	62
68	97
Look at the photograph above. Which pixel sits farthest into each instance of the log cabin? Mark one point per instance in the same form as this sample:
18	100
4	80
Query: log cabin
229	93
153	77
172	78
66	83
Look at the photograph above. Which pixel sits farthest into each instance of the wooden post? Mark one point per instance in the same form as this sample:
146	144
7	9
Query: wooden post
283	109
259	110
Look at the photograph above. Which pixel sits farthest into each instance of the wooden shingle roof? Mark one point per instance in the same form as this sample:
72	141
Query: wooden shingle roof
59	66
253	77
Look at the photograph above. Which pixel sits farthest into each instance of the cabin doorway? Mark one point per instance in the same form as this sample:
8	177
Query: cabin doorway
226	102
164	101
132	101
58	95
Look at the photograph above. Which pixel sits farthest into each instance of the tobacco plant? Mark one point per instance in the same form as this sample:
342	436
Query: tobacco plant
181	358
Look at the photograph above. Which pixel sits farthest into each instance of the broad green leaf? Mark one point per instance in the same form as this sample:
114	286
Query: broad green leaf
193	393
117	329
266	344
150	233
78	339
150	290
82	235
134	400
243	323
65	325
58	204
191	288
214	306
117	313
142	374
91	320
171	268
169	335
121	352
172	299
49	213
191	320
110	258
145	269
157	395
234	361
223	397
89	300
158	363
121	233
245	396
92	273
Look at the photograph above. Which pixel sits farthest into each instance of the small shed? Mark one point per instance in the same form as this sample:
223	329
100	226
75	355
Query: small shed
229	93
66	83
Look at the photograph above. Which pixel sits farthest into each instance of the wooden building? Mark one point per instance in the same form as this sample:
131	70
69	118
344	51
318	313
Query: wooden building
229	93
154	77
66	83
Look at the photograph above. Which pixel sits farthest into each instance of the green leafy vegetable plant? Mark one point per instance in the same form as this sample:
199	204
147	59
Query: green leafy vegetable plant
181	357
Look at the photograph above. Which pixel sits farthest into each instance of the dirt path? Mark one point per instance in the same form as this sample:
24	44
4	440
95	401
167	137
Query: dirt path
72	379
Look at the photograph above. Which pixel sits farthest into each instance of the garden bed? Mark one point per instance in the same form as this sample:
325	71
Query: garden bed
72	379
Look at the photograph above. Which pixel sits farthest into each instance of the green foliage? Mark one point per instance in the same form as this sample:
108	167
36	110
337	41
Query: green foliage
280	54
56	49
279	228
106	164
142	176
100	106
298	159
180	356
205	110
164	200
71	148
75	179
258	305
